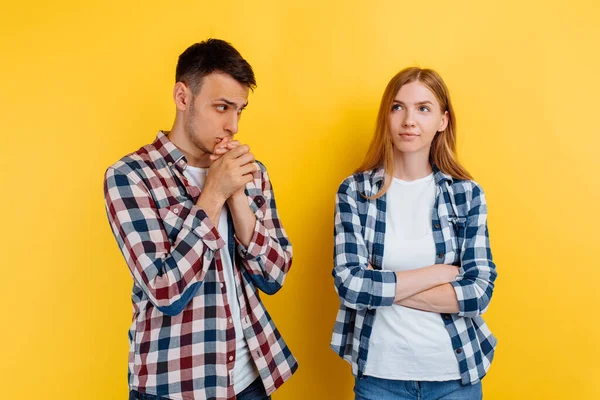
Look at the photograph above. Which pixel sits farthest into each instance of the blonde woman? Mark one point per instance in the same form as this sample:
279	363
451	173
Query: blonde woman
413	266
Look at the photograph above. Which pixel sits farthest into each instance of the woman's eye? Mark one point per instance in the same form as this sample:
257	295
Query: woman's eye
424	109
396	107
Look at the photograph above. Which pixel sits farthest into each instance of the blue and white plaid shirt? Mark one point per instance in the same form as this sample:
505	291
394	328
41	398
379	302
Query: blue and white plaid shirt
459	223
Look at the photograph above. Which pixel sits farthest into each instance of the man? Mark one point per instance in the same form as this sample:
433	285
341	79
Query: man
195	218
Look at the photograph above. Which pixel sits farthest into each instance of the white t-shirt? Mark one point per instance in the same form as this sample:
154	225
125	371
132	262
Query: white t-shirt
409	344
244	371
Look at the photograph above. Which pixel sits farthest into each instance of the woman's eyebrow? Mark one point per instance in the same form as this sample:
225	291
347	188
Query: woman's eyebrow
417	103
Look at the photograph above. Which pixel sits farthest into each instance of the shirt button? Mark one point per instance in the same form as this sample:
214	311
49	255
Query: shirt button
446	316
230	320
176	210
459	350
437	226
230	358
441	255
169	163
222	285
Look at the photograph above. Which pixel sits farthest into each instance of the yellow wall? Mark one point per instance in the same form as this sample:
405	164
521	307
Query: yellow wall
81	85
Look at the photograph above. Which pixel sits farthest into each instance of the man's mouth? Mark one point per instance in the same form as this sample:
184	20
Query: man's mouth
220	138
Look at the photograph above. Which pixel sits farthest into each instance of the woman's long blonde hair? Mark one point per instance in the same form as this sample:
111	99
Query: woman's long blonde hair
443	147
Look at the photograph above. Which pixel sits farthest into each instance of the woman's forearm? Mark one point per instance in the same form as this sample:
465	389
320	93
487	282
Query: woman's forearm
411	282
440	299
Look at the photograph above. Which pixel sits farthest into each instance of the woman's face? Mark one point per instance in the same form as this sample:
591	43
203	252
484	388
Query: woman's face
415	118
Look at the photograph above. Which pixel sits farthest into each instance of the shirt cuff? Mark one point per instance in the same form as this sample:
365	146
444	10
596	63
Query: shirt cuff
257	247
388	289
198	223
466	296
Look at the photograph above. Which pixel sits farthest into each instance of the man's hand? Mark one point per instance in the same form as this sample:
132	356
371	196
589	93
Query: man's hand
229	173
222	148
244	219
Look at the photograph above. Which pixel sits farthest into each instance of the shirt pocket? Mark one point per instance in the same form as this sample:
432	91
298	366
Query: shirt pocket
458	228
172	220
453	233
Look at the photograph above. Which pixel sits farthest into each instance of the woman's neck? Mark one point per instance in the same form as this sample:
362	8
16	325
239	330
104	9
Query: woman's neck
411	166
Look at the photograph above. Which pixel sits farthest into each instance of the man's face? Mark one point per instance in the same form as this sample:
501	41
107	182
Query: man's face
215	111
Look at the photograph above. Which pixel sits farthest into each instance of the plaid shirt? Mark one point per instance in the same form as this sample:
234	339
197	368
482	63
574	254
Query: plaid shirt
182	340
461	238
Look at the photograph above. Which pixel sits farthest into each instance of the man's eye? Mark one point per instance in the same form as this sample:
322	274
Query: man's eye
222	107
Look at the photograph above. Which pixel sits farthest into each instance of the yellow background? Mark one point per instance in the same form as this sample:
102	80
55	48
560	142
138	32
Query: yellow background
83	84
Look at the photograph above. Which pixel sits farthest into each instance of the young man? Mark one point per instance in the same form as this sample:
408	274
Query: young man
195	218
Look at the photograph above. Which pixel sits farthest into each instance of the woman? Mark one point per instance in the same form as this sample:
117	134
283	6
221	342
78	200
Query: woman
413	266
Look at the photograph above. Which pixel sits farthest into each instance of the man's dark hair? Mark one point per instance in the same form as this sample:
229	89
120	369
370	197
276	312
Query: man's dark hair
212	55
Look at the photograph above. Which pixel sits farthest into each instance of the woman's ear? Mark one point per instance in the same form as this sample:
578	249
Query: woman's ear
444	122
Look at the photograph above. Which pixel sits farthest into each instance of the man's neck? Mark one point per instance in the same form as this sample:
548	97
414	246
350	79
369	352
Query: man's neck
194	156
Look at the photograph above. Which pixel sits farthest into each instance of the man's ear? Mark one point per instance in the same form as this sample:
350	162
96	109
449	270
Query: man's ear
182	96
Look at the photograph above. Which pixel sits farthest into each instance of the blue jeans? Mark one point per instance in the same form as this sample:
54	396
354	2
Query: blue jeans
256	391
371	388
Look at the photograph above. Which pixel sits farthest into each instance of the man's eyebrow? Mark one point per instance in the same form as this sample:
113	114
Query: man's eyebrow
232	103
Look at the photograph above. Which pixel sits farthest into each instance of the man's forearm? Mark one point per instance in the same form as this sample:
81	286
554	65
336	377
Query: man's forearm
211	204
244	219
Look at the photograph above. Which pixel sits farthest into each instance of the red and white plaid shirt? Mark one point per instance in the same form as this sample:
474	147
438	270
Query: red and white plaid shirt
182	339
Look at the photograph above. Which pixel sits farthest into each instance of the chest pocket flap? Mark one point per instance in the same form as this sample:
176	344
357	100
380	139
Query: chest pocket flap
172	220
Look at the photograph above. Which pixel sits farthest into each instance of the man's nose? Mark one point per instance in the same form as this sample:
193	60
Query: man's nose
231	124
